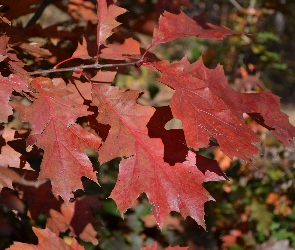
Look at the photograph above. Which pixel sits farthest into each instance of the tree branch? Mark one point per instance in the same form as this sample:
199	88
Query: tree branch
90	66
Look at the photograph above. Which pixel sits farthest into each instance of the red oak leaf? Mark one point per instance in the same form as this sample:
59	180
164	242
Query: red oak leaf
129	49
8	84
70	218
207	106
165	185
145	170
47	240
64	161
155	247
106	20
52	115
173	26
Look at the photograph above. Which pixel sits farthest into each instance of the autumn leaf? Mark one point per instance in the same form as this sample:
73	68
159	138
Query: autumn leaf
208	107
145	169
35	49
47	240
173	26
82	10
84	50
64	161
106	20
129	49
52	116
164	185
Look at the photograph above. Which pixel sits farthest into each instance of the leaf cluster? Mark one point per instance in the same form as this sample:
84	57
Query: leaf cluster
74	114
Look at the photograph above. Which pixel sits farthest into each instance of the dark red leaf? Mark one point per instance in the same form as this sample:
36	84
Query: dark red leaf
208	106
52	116
173	26
129	49
145	170
106	20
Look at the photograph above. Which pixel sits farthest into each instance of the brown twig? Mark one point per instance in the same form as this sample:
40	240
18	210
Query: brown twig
90	66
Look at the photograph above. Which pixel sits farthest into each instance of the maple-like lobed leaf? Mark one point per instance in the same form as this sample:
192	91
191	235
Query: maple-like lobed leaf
53	115
145	169
8	84
208	106
106	20
47	240
203	106
169	188
264	108
129	49
64	161
173	26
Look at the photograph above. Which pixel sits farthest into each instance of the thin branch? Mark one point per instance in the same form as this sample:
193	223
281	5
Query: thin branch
235	3
90	66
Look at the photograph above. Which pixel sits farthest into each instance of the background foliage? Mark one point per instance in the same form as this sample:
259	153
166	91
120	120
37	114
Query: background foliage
255	208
